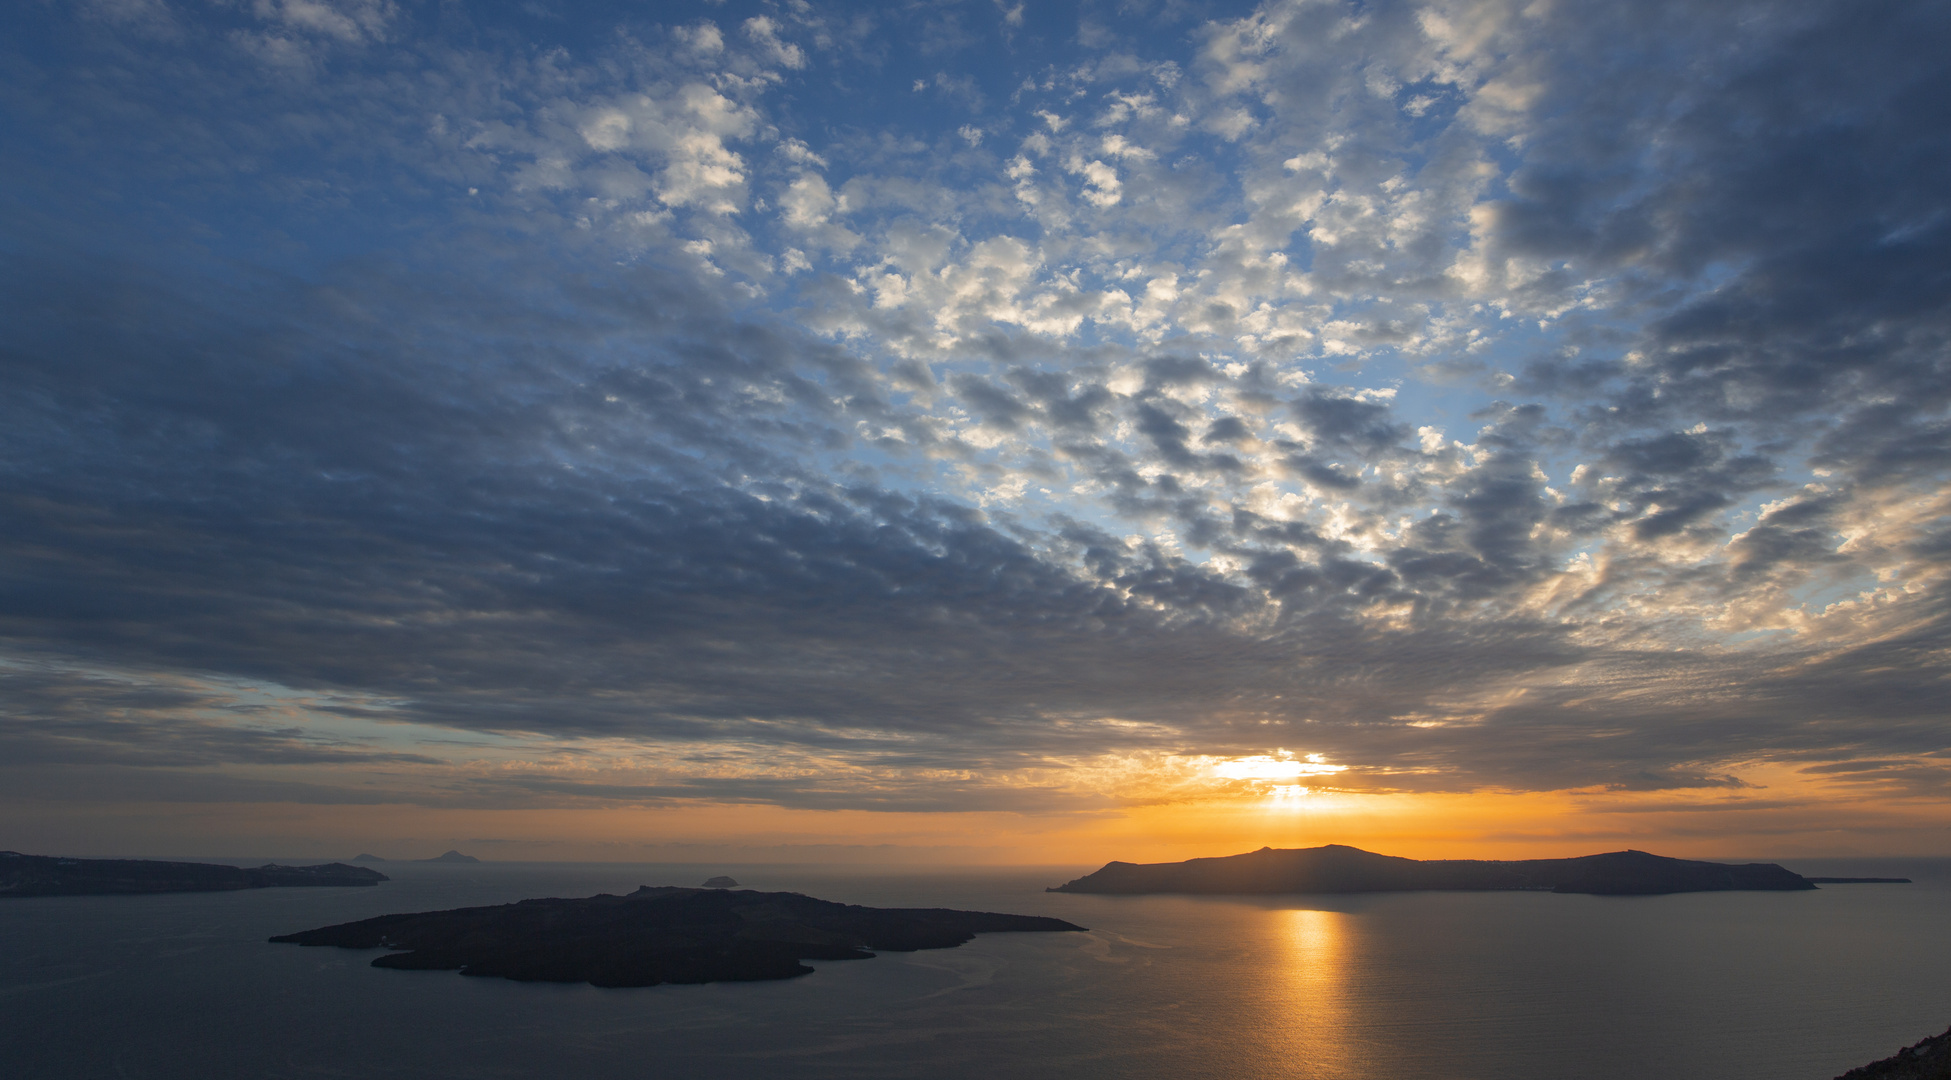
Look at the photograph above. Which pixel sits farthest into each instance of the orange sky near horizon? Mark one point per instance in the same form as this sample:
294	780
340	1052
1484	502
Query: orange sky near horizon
1783	816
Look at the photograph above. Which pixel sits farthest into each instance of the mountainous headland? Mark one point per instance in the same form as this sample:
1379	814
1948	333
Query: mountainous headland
659	935
48	875
1336	868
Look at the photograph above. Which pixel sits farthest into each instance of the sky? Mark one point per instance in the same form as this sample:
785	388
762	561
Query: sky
974	432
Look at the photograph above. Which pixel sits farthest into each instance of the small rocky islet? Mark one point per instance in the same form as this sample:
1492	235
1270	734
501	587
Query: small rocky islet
659	935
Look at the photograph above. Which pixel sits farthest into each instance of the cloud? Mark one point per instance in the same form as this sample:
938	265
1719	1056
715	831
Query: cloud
764	33
1427	386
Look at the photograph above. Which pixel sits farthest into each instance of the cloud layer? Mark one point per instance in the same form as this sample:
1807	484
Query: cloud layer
970	409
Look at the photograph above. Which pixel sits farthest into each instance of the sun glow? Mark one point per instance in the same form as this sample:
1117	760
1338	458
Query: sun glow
1277	766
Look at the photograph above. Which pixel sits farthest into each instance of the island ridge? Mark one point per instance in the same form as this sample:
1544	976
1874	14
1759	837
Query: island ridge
1336	868
47	875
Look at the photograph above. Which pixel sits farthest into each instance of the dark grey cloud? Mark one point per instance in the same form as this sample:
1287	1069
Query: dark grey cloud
109	785
1777	212
65	717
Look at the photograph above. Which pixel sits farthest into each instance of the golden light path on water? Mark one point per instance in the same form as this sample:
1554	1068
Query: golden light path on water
1310	1022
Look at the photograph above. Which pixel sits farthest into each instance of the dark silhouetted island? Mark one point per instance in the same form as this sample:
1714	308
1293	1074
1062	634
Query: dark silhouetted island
47	875
721	882
1927	1060
659	935
451	856
1339	869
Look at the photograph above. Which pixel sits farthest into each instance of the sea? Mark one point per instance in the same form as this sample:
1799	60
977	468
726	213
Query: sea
1432	986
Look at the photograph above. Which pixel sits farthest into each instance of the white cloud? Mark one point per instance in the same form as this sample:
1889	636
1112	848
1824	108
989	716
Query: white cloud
797	152
1103	189
764	33
350	21
705	38
808	202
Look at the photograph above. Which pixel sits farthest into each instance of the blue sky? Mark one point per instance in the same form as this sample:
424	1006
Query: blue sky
974	407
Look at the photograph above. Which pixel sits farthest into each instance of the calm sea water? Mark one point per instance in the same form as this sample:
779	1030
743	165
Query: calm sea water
1437	986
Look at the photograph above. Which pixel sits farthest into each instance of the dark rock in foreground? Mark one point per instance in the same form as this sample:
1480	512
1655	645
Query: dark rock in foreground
1927	1060
1339	869
46	875
659	935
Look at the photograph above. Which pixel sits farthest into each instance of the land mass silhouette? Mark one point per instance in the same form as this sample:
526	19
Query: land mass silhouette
1929	1059
1336	868
659	935
48	875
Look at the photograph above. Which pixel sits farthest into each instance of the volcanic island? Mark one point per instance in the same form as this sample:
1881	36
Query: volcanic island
1336	868
660	935
49	875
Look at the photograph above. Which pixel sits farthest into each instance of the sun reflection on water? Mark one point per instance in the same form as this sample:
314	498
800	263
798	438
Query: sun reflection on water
1311	998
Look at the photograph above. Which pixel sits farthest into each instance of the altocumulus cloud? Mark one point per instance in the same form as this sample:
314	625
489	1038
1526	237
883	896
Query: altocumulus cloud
1477	394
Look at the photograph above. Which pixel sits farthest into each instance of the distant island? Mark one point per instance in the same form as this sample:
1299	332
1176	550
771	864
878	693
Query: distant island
48	875
1336	868
1929	1059
447	857
659	935
721	882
